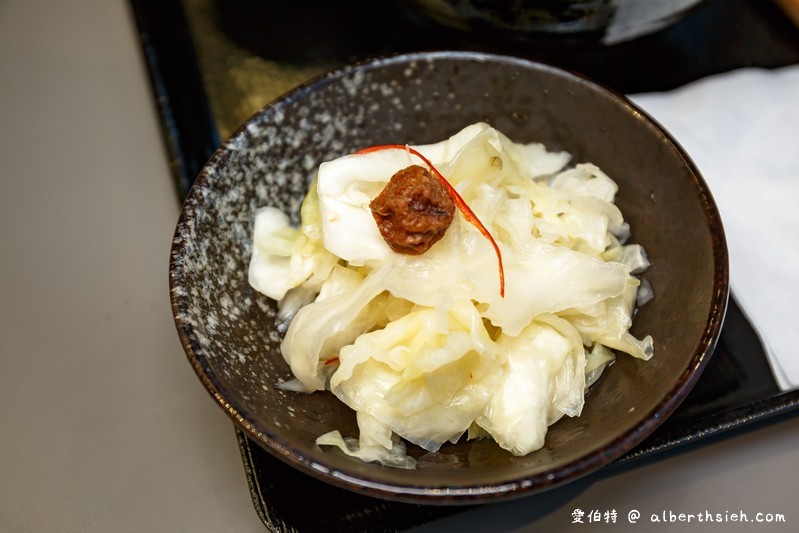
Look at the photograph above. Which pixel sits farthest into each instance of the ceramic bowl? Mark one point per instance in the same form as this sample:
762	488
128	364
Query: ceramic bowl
548	24
228	330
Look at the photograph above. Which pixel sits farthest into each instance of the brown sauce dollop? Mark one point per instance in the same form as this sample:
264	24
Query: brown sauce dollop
413	211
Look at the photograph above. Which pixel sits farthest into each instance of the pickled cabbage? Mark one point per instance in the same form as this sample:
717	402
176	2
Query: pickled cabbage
425	347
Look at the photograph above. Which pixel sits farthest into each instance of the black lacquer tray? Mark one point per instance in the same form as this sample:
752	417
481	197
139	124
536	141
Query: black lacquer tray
213	63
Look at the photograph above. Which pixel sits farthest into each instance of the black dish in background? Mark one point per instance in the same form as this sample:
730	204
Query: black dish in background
718	36
737	390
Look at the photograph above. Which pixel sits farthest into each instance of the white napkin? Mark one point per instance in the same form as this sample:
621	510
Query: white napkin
742	130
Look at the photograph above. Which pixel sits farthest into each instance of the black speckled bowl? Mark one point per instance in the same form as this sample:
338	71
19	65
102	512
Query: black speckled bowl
228	332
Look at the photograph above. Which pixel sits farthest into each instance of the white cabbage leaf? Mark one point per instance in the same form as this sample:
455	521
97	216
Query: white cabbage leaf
394	456
284	257
426	376
544	379
596	363
611	328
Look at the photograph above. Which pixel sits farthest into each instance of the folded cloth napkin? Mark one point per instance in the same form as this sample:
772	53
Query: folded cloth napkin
742	130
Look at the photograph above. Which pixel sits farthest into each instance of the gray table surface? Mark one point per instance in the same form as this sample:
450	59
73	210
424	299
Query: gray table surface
104	425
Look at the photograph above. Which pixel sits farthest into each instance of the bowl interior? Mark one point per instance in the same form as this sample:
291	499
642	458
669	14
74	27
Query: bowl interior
228	329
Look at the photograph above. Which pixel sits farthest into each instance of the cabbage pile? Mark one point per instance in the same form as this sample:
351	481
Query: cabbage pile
424	347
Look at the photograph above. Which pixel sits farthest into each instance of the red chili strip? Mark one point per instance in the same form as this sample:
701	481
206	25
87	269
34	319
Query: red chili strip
463	207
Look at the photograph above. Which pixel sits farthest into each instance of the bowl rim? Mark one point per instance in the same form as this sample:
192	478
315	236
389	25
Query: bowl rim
461	494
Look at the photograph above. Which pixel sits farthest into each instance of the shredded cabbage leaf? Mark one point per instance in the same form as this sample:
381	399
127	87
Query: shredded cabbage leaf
424	347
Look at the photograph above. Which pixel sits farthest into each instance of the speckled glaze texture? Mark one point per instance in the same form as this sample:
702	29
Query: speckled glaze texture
228	331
